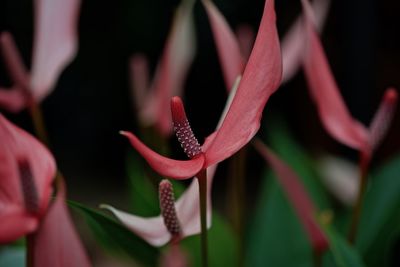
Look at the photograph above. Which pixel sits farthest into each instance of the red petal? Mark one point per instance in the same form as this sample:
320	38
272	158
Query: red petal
176	169
55	42
139	74
16	145
171	73
227	45
321	83
15	224
56	242
293	42
297	196
383	117
12	100
261	78
245	36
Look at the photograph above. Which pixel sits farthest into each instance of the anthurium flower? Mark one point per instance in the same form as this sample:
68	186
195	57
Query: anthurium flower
179	51
55	45
27	170
297	196
229	46
155	231
261	78
332	110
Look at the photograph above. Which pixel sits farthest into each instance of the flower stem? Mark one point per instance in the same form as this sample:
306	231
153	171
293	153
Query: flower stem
29	250
202	179
38	122
355	219
237	198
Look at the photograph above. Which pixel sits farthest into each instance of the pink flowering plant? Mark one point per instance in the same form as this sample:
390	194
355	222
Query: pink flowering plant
225	164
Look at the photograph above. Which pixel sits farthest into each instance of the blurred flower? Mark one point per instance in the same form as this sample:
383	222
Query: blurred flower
152	101
341	178
261	78
55	45
332	110
27	171
297	196
233	51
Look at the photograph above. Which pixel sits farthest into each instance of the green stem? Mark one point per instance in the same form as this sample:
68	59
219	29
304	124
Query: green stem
355	219
202	179
237	198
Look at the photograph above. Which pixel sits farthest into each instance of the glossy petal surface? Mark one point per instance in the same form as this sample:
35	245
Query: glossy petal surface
261	78
331	108
55	42
177	169
23	197
56	242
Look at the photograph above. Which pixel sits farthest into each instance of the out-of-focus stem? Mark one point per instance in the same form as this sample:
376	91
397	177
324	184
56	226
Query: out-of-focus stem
202	179
237	198
38	122
29	250
363	165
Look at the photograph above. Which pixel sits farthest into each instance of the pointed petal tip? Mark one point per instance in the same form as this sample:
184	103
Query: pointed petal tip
178	110
391	95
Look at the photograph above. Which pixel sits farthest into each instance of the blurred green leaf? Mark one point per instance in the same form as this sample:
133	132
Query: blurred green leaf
115	237
340	254
380	219
276	237
297	158
12	256
222	245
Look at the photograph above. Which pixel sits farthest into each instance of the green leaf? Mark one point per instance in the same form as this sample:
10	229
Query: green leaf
276	238
297	158
115	237
380	218
222	245
340	253
12	256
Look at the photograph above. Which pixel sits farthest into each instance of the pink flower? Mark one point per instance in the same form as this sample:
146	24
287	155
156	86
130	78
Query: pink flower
55	45
27	171
152	100
332	110
229	46
261	78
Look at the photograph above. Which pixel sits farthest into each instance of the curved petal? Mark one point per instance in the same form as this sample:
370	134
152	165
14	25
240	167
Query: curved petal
55	42
331	108
152	229
24	147
16	224
383	118
261	78
171	73
227	45
297	196
12	100
176	169
293	42
187	208
56	242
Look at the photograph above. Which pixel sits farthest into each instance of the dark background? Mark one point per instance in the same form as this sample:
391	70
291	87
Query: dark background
92	99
